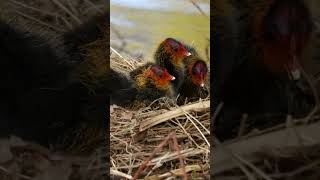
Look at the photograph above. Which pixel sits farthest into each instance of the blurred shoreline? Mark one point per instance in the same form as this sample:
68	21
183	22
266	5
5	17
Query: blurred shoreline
143	24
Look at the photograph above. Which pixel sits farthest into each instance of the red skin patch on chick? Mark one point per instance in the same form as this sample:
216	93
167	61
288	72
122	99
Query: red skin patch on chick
289	30
198	72
160	76
176	50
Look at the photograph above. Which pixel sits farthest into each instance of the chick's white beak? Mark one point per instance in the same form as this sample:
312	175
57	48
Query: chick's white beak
202	84
296	75
293	69
173	78
188	54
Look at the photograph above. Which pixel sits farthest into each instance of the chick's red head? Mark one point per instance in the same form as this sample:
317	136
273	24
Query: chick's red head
175	49
160	76
287	29
198	72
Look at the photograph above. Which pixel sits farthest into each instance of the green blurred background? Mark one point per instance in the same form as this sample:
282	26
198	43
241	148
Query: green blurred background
142	24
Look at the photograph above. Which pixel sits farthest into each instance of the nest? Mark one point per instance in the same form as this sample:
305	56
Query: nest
287	149
25	160
164	139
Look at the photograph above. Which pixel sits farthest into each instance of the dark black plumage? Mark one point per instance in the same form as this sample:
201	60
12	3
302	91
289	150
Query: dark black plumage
93	29
38	101
88	47
122	92
45	95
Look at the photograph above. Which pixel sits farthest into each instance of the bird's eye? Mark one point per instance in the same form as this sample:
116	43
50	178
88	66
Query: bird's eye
174	45
156	70
194	70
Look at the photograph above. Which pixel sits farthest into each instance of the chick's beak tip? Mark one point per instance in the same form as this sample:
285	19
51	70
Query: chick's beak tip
188	54
296	75
202	84
173	78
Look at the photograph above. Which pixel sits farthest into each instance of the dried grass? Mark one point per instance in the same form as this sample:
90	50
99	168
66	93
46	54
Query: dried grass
283	151
135	134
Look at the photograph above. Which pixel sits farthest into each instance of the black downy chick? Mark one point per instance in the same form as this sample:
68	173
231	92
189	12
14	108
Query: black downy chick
123	92
88	46
193	86
151	82
170	55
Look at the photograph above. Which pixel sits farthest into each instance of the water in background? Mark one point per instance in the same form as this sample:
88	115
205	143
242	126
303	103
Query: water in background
144	23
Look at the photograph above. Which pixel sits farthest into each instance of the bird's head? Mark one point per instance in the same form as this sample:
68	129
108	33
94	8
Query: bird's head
175	50
159	76
198	72
288	27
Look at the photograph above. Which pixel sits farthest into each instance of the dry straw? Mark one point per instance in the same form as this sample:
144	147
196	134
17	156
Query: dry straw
141	138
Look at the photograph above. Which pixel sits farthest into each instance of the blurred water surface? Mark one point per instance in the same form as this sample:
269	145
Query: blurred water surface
144	23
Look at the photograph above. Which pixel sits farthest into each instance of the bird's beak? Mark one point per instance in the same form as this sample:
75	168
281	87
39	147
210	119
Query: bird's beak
293	69
172	78
296	75
188	54
202	84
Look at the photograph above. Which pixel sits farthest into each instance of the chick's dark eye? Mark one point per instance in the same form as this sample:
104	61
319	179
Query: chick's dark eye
195	70
156	70
174	45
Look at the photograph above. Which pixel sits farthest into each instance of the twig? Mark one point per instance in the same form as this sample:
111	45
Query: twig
191	152
160	146
235	159
253	167
131	66
19	175
314	91
39	21
59	4
73	9
32	8
242	124
176	147
118	173
94	6
188	134
198	107
217	111
178	171
198	7
203	136
283	140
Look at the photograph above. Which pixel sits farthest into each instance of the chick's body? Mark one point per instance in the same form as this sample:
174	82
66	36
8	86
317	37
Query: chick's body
152	82
195	81
38	101
170	55
122	92
274	37
88	47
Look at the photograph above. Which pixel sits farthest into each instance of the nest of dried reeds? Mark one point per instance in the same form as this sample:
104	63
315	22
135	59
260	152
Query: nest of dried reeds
286	149
164	139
